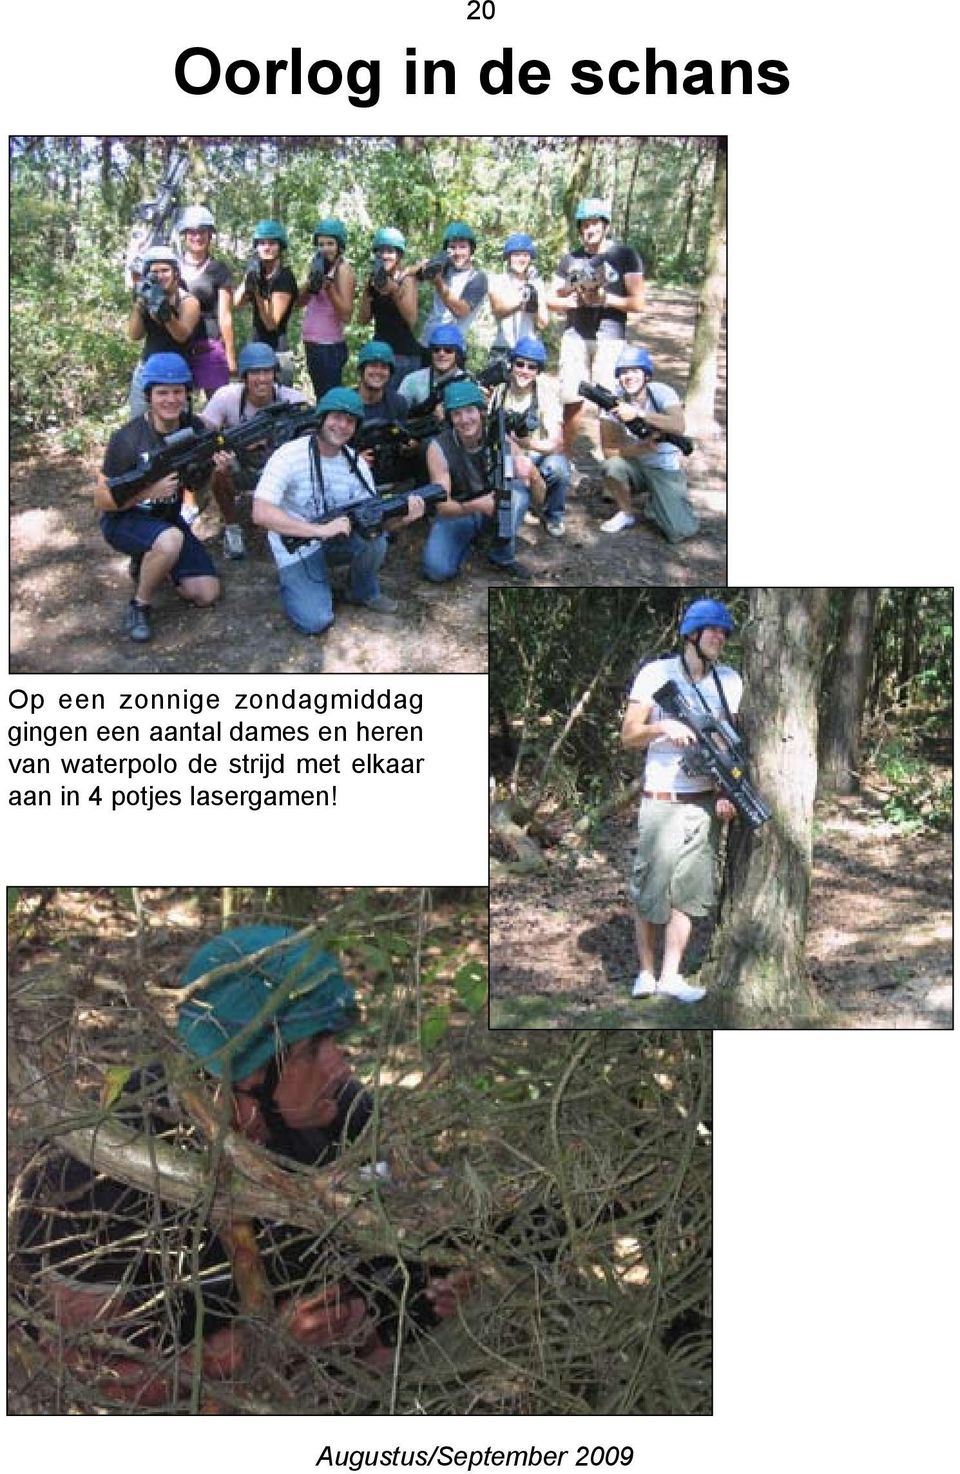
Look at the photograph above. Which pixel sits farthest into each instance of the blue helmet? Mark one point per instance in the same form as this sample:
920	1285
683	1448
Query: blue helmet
529	347
165	368
256	356
447	335
632	357
228	1027
519	241
704	612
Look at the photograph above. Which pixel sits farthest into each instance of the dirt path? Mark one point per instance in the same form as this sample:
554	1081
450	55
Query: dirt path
68	588
879	943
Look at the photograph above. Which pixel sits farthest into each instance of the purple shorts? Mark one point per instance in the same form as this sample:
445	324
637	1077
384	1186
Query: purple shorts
208	364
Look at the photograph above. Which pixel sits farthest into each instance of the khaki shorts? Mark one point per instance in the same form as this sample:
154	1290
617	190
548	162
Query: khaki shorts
675	867
587	358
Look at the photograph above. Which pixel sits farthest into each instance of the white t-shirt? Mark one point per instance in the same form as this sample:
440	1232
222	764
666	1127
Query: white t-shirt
663	773
289	482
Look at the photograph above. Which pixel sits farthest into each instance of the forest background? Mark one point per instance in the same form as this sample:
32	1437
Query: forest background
848	716
572	1175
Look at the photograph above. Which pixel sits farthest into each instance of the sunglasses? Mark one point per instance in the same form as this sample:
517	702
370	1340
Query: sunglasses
529	363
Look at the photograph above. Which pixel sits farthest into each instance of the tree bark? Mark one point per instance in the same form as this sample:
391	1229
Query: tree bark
702	383
757	965
843	714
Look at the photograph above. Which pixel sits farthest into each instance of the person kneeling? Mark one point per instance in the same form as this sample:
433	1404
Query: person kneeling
151	528
649	466
303	499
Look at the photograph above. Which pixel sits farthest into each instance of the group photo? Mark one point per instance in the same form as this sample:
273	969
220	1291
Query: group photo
297	403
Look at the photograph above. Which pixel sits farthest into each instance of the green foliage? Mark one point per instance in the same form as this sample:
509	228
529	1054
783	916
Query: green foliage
922	796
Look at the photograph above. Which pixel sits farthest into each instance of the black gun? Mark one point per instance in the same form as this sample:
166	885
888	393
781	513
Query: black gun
603	399
435	397
188	452
153	294
368	516
395	447
321	270
497	371
253	278
718	755
153	219
502	480
435	266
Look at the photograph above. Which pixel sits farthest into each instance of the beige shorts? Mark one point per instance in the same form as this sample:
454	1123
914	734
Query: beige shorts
675	867
587	358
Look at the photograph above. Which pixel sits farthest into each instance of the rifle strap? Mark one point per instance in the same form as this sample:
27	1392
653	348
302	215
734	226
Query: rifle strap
728	715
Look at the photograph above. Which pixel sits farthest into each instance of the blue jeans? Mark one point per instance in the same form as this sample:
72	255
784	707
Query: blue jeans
325	363
451	538
305	590
555	470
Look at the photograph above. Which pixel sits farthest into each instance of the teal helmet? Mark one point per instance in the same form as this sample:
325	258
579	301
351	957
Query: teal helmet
332	227
221	1026
387	235
462	394
269	230
256	356
165	368
458	230
376	352
341	401
592	209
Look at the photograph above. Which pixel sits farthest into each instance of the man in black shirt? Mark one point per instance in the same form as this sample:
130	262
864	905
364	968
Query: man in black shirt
595	287
459	461
150	527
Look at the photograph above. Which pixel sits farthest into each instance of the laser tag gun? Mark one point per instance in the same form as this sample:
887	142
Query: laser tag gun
501	477
253	277
153	294
427	406
719	754
497	371
153	219
603	399
379	276
586	273
189	452
321	271
367	517
433	267
395	447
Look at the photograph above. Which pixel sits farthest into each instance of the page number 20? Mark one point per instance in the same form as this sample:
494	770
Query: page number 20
481	10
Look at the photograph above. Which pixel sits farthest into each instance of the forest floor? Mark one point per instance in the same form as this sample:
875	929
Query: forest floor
879	941
69	589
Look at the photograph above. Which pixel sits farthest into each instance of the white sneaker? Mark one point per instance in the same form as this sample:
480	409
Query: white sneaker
683	992
644	983
619	522
233	541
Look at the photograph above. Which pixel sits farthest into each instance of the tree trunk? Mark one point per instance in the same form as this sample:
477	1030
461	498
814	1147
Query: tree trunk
843	715
702	383
757	965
